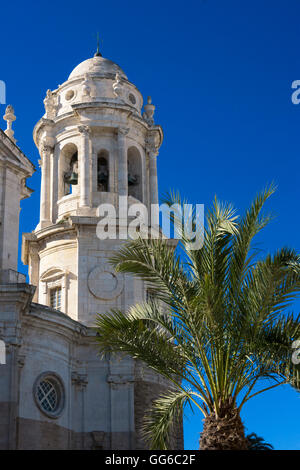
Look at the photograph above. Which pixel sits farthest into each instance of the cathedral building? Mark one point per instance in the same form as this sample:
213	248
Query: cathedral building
97	142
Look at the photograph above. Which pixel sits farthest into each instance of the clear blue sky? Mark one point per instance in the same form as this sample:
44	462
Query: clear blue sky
220	74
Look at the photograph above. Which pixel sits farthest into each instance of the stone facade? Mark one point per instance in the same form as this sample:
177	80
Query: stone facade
14	169
95	145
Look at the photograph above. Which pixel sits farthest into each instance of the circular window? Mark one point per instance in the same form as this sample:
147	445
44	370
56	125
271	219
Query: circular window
132	98
69	95
49	394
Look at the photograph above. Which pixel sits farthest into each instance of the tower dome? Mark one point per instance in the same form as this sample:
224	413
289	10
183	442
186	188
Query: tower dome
97	65
95	80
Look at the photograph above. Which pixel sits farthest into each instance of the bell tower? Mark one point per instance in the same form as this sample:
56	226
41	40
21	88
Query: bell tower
96	145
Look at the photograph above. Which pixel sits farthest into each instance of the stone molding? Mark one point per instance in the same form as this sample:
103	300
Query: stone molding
97	289
85	130
117	380
78	379
123	131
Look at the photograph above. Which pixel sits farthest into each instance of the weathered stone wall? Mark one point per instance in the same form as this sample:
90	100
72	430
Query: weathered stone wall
38	435
98	394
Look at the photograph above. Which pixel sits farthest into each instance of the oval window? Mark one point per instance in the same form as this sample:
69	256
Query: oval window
49	394
69	95
132	98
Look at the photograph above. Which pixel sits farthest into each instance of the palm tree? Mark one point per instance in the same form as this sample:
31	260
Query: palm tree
216	327
258	443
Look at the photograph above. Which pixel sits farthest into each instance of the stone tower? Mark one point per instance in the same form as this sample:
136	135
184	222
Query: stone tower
95	145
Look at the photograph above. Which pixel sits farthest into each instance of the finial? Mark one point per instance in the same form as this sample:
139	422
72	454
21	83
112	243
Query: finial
9	117
148	113
98	53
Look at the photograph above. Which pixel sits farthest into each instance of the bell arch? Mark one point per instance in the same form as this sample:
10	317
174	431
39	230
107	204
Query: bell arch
134	162
103	171
68	170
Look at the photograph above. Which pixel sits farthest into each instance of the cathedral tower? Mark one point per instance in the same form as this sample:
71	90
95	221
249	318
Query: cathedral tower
95	145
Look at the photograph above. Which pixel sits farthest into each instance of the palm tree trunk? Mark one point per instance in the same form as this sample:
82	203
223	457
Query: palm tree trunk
224	432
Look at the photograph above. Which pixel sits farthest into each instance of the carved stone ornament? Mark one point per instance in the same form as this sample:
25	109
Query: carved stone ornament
80	380
50	103
117	86
152	143
85	130
148	113
9	117
123	130
46	149
103	283
88	87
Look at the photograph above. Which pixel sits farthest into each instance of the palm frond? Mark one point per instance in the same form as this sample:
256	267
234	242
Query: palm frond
217	326
161	421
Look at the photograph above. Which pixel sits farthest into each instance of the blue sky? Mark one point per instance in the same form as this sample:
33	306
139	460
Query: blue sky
220	74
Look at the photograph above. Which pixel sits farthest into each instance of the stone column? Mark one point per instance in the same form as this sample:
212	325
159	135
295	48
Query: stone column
46	153
153	188
12	347
34	268
122	162
84	167
153	185
64	294
80	381
121	384
54	178
94	172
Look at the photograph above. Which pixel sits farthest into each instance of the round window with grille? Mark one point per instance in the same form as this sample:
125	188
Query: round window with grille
49	394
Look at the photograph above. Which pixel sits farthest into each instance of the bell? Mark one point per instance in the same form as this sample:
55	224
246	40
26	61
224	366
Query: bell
102	177
73	179
132	180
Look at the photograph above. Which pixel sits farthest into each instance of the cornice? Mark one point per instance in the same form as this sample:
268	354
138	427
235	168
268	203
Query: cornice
17	152
52	319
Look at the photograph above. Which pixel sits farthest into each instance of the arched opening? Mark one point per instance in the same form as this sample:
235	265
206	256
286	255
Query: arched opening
134	173
102	171
69	170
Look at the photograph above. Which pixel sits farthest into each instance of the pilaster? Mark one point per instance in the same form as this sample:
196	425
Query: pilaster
46	153
122	162
84	166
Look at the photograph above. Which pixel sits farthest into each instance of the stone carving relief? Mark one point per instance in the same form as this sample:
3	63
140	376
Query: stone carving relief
78	379
103	283
88	88
117	86
152	143
50	103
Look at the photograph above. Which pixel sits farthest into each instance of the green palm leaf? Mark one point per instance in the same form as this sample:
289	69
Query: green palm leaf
217	327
